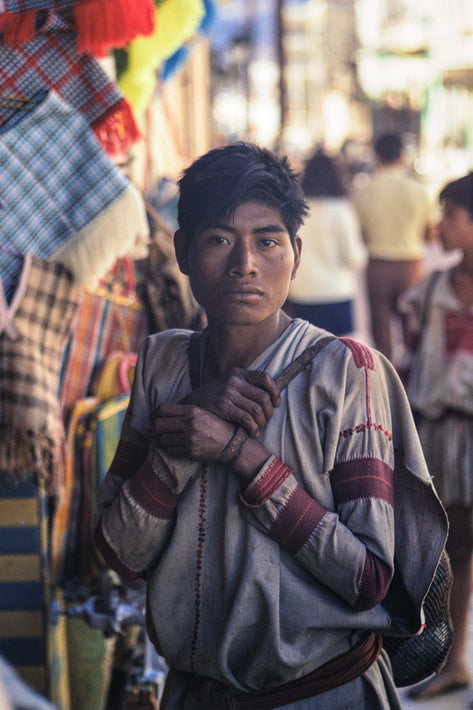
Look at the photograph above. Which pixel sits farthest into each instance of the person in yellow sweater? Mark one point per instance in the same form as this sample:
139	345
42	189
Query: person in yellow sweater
395	213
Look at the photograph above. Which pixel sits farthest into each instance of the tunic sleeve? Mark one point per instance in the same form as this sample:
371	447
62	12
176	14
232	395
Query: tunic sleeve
138	496
349	548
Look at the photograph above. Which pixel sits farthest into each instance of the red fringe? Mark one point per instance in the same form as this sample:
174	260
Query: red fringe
105	24
117	129
17	28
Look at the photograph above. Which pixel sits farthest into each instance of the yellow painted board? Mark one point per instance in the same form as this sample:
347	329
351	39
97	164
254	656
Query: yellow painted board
20	568
18	511
34	676
21	624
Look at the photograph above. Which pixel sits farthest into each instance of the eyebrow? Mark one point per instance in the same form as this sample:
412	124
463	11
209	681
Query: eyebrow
265	229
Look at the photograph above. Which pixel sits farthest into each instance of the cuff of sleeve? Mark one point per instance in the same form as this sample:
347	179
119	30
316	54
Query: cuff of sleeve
276	504
175	473
151	493
271	476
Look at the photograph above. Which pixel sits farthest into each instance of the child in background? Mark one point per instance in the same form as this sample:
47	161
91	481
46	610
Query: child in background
439	334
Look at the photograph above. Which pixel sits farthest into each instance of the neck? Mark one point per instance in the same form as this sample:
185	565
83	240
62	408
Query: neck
238	346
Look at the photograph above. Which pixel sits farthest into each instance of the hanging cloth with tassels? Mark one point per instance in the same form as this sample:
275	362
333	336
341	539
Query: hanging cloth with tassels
63	198
100	25
50	61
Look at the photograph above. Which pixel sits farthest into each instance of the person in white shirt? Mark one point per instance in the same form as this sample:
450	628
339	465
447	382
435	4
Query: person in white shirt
325	286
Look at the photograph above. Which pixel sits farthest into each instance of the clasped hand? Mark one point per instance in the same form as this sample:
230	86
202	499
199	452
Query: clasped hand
200	426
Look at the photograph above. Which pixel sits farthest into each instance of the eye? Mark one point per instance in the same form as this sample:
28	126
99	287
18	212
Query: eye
217	239
268	242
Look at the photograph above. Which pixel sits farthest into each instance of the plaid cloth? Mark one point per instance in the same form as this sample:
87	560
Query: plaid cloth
56	186
100	25
50	61
27	5
32	436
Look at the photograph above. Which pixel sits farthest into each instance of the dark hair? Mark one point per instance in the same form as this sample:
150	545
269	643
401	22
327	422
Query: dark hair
388	147
321	177
460	192
215	184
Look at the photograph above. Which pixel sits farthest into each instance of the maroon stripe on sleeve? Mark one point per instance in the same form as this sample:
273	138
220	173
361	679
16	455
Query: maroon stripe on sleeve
296	521
374	583
362	478
152	494
110	557
274	474
128	457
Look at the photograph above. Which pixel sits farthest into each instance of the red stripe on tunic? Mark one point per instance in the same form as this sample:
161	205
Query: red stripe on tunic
362	354
273	477
152	494
362	478
297	521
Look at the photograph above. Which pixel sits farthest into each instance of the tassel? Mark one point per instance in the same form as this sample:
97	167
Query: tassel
117	129
17	28
109	24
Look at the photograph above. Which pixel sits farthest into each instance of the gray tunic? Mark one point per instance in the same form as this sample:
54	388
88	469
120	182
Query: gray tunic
256	588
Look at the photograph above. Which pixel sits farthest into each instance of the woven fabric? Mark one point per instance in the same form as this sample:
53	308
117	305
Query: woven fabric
31	429
100	25
27	5
50	61
56	181
103	326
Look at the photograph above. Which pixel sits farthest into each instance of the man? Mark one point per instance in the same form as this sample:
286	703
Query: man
262	508
395	215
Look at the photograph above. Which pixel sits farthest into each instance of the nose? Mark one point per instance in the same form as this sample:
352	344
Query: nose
243	259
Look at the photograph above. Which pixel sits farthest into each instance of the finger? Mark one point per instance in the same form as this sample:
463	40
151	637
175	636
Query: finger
173	439
168	409
251	409
163	425
265	382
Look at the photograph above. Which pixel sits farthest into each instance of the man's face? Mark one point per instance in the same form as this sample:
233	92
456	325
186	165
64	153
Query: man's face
456	227
240	270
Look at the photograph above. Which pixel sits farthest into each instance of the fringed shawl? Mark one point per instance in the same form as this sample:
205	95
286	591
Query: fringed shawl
63	199
34	333
50	61
99	24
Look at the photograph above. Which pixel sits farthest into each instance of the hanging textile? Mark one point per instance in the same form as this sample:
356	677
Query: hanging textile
175	61
106	322
99	25
168	295
62	197
176	22
50	61
35	330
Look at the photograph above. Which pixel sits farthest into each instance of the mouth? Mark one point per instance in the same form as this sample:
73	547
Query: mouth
242	293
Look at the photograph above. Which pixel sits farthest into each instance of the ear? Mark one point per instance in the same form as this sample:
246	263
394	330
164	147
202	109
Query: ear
297	255
180	247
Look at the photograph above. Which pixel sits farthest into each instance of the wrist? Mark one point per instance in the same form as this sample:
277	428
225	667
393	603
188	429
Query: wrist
250	460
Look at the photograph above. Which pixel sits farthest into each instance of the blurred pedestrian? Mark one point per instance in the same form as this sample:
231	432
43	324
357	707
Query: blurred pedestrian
395	215
439	328
325	285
